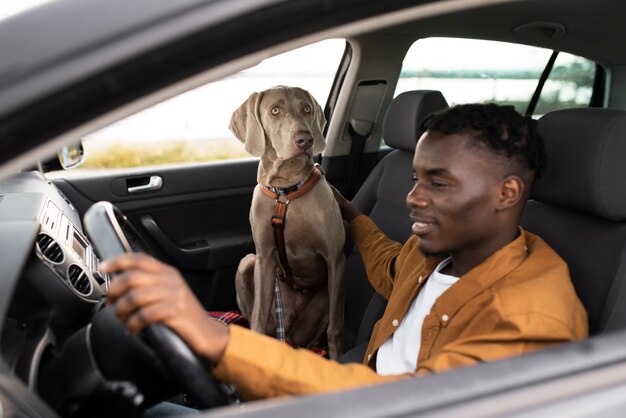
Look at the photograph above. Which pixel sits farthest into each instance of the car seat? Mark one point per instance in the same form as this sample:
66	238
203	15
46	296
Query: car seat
382	197
579	207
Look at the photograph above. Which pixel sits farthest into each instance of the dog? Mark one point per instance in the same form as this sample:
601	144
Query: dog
283	126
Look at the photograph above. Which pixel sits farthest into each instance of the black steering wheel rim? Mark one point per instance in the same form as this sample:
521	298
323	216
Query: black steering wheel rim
187	368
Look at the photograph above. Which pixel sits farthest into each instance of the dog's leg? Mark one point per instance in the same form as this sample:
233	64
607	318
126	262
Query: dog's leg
336	295
264	282
307	317
244	285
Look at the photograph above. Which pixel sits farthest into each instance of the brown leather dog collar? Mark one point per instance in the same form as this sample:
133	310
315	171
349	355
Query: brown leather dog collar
280	213
297	190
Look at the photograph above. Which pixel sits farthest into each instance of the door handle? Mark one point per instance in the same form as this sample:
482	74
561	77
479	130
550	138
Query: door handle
154	183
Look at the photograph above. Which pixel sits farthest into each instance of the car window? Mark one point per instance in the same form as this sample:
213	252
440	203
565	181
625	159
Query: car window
468	70
193	127
569	84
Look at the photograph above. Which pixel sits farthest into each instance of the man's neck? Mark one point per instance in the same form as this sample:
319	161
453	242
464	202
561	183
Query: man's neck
464	261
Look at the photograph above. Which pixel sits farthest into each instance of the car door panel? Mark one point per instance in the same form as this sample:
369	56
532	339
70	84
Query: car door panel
197	220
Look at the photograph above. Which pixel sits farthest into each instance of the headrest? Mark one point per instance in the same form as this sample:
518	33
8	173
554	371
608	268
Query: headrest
405	115
586	167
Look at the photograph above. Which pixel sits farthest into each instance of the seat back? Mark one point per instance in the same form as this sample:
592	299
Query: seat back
579	207
382	197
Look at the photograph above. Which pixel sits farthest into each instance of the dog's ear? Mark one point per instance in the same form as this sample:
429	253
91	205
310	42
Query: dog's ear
319	121
245	123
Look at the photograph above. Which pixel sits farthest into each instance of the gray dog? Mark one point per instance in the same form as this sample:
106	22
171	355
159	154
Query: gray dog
293	202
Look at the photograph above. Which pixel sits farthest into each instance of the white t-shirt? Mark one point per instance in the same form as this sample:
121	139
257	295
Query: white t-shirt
399	353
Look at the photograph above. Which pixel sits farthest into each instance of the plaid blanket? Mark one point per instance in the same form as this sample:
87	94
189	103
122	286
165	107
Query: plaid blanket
231	317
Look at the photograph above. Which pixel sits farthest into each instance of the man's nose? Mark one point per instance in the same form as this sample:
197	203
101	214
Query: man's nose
417	197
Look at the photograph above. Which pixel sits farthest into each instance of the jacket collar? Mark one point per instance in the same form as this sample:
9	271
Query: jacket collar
483	276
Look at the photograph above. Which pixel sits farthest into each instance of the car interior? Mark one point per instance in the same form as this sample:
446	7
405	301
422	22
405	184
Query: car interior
374	111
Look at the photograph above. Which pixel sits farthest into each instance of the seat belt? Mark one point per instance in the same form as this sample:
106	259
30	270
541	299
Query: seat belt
532	104
359	131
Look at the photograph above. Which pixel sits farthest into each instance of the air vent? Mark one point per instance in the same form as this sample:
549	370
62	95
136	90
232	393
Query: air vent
49	248
78	280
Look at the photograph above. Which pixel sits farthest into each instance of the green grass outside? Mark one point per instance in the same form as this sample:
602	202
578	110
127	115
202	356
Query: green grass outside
101	154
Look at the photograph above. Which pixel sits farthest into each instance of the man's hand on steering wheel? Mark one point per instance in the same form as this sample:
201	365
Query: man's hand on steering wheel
146	291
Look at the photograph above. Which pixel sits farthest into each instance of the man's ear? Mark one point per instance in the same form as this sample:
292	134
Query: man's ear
510	192
245	123
319	121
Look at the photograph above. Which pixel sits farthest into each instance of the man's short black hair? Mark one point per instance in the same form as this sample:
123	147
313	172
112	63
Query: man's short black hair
500	129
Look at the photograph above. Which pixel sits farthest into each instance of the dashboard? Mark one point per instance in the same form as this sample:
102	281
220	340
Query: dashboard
50	271
64	249
57	334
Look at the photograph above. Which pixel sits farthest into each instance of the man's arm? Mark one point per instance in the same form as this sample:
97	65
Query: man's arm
272	368
378	252
146	291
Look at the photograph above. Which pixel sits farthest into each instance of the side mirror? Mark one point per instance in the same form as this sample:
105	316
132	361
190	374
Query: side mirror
71	156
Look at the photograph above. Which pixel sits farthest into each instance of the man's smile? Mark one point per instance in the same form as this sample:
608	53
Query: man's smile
421	226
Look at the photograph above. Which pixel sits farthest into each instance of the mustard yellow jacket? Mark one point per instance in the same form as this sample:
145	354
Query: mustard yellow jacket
518	300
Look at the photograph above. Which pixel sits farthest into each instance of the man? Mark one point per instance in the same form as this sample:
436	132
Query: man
469	286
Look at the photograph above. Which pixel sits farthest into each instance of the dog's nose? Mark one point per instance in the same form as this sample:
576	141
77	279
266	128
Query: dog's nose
304	140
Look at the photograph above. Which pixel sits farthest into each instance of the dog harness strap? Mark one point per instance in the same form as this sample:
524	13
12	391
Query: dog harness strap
278	225
280	214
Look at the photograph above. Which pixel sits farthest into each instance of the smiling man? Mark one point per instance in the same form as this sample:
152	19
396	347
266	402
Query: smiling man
469	286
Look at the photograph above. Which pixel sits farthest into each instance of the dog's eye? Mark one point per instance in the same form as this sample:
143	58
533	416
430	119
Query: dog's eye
275	110
307	109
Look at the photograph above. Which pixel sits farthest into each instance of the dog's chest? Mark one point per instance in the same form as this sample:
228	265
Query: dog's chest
302	224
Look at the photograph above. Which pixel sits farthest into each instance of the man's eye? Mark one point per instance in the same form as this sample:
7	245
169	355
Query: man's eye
275	110
437	184
307	109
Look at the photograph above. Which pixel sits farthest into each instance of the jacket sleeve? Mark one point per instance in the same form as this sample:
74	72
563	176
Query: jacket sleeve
263	367
379	254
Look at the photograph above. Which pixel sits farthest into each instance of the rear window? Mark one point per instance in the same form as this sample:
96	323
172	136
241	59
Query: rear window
477	71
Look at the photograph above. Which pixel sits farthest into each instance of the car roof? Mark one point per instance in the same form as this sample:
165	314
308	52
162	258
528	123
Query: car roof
592	29
58	32
72	60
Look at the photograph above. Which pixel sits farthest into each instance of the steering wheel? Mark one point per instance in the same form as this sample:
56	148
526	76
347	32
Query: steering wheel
111	234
